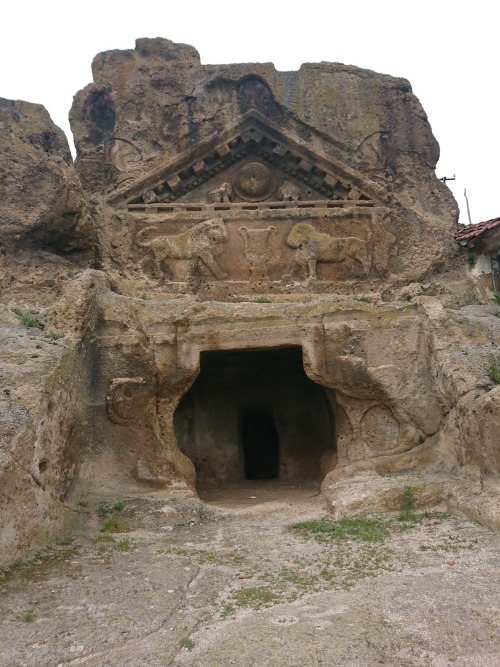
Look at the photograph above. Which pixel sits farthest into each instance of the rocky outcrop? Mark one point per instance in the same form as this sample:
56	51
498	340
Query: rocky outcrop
256	277
47	238
156	105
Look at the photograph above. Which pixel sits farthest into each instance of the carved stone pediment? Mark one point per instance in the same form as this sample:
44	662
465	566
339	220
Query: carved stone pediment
253	163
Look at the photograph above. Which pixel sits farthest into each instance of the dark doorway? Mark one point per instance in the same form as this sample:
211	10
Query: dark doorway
254	415
260	443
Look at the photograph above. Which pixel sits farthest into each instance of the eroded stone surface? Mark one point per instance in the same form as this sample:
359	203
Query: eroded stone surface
200	585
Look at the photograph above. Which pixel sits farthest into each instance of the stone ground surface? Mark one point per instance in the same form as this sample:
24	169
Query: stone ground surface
229	582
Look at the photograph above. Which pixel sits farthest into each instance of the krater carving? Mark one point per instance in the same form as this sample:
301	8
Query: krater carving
312	247
203	242
256	250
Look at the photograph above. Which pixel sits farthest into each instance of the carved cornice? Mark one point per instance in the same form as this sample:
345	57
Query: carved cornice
255	136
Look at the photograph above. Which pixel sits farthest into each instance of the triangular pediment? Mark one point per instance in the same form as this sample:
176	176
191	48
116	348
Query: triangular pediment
255	141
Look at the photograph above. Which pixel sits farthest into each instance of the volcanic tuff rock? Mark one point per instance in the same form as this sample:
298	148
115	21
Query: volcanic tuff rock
247	273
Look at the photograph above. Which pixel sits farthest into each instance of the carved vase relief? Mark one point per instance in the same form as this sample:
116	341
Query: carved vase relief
256	250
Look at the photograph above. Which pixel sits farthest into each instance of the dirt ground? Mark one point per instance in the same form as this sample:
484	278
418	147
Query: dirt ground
228	580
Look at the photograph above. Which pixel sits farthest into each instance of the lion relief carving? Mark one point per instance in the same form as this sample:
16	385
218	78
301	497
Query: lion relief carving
312	247
203	242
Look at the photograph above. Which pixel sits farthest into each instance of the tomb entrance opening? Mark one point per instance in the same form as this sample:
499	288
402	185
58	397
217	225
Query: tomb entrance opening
254	415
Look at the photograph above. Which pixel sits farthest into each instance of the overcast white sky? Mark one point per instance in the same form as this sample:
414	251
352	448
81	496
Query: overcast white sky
448	50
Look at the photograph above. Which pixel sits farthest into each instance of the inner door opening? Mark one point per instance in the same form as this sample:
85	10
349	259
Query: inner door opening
260	443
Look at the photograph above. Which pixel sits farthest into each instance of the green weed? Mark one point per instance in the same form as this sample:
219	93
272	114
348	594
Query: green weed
349	528
185	642
52	335
496	298
103	537
114	524
262	299
227	610
298	580
105	510
124	545
28	616
34	568
492	369
408	499
28	319
255	597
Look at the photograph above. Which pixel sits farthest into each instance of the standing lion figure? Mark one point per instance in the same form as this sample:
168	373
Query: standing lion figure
203	242
312	247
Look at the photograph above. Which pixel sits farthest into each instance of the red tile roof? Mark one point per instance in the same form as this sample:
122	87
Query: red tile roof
472	231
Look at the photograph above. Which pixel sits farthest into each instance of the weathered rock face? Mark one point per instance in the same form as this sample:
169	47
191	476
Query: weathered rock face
42	199
345	151
276	267
46	240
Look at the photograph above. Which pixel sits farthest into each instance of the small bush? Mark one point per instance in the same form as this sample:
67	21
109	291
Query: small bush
496	298
492	369
421	439
262	299
472	260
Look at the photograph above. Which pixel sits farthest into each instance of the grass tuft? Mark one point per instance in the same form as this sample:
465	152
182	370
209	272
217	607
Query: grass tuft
28	319
349	528
255	597
114	524
52	335
28	616
492	369
124	545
